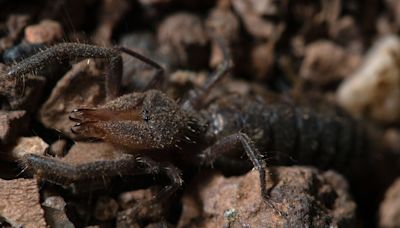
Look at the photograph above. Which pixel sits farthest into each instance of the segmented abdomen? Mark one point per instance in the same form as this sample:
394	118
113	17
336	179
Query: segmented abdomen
317	134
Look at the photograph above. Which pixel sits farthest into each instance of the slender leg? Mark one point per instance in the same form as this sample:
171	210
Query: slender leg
196	97
55	170
72	51
237	142
61	172
128	216
172	172
159	71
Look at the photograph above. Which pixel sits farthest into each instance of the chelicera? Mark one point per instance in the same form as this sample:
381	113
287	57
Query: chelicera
145	125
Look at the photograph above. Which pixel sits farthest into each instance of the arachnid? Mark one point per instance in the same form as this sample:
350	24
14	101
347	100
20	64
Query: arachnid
144	124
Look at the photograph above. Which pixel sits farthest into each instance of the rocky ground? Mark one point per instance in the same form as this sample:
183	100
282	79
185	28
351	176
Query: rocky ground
343	52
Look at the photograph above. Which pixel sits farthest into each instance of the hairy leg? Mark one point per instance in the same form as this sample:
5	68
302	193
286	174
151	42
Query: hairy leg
58	171
72	51
174	175
197	97
158	76
234	143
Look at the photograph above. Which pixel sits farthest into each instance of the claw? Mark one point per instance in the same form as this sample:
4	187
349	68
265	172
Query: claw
82	109
75	128
73	131
79	129
81	115
76	115
74	119
87	129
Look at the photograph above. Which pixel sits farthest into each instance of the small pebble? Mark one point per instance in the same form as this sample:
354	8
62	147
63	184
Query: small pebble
25	146
106	208
373	91
389	211
12	123
47	31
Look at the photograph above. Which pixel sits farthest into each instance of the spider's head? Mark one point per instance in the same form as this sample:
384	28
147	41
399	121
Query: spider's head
149	120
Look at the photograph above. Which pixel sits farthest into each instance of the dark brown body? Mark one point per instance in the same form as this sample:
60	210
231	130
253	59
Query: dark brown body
315	134
200	129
